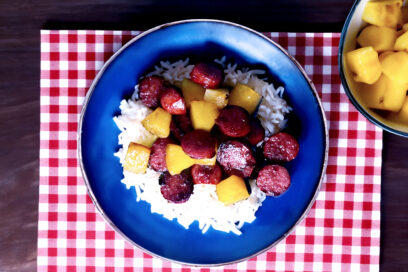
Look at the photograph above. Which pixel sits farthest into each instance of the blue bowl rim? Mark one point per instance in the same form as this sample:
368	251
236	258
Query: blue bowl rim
92	88
350	95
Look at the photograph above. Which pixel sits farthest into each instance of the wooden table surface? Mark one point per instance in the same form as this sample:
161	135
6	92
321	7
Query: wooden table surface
20	24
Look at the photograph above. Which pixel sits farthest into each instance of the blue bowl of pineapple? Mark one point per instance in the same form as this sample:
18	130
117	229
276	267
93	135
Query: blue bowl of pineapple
373	62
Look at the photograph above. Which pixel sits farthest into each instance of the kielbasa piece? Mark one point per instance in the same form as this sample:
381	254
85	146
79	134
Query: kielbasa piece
199	144
157	159
184	122
281	147
208	75
236	158
206	174
180	125
257	132
172	101
233	121
273	180
177	188
150	89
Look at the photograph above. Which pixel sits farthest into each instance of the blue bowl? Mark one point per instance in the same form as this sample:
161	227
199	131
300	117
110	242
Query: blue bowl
348	41
199	40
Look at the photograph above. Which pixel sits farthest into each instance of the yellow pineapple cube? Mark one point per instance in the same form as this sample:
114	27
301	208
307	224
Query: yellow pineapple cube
379	37
395	66
177	160
383	13
401	43
217	96
191	91
385	94
158	123
210	161
383	55
402	115
232	190
364	64
245	97
137	158
203	114
394	95
373	94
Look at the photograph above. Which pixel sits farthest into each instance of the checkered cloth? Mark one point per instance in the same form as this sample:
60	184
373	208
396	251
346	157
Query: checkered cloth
341	232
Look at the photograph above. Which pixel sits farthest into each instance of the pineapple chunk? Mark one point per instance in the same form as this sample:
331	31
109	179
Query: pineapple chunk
203	114
383	13
217	96
373	94
405	27
401	43
191	91
380	38
137	158
245	97
364	64
231	190
383	55
158	123
384	94
402	115
177	160
210	161
395	66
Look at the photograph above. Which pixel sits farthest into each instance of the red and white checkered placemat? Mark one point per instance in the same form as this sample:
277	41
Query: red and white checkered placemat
341	232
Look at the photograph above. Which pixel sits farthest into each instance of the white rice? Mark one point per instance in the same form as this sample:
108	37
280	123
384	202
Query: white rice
203	205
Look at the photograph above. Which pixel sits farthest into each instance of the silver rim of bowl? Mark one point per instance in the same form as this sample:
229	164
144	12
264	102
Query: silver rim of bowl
347	90
89	94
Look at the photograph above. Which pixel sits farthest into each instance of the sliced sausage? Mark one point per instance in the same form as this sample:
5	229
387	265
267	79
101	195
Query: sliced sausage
257	132
177	188
236	158
150	89
273	180
233	121
172	101
157	159
199	144
206	174
281	147
208	75
180	125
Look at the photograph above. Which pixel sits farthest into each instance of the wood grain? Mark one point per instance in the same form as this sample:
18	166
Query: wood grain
20	24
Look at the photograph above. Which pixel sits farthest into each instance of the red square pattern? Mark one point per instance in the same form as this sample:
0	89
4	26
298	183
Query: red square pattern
341	232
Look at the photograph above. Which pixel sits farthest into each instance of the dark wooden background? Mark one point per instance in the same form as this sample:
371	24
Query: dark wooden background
20	24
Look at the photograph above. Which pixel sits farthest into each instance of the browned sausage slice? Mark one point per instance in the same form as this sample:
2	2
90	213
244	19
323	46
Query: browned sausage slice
177	188
206	174
281	147
172	101
150	89
208	75
199	144
233	121
257	132
236	158
180	125
157	159
273	180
